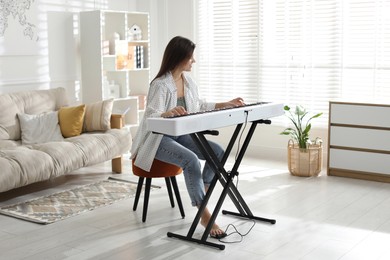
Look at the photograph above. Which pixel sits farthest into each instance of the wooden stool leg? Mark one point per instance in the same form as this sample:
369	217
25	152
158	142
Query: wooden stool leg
146	199
169	188
177	193
138	192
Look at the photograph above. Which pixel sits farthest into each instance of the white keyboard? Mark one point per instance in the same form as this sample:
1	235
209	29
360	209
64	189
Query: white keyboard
214	119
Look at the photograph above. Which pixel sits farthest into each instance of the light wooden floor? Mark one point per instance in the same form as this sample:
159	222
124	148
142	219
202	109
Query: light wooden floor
317	218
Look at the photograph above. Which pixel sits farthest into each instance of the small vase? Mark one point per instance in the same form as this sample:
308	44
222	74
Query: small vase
114	37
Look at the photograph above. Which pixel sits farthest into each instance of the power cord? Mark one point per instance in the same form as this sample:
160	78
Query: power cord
239	140
242	132
222	240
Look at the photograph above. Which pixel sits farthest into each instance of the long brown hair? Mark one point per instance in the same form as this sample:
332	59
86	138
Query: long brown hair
178	50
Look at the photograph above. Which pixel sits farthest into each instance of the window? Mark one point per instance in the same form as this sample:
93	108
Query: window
227	49
295	51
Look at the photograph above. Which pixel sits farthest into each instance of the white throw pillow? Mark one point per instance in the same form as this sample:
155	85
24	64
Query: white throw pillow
41	128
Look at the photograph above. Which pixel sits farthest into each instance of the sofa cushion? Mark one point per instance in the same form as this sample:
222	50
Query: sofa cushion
98	116
27	102
71	120
98	146
40	128
9	143
3	133
65	156
21	166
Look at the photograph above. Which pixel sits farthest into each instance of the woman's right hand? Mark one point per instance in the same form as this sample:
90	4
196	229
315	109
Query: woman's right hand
176	111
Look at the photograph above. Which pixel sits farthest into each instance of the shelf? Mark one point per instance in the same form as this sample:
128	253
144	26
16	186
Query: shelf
127	57
99	32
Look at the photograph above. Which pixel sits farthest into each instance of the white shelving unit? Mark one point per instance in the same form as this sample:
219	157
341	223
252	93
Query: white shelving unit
107	60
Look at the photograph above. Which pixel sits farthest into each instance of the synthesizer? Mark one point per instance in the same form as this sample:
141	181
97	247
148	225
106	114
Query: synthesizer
213	119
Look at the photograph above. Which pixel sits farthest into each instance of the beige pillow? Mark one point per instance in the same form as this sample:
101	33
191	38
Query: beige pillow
98	116
71	120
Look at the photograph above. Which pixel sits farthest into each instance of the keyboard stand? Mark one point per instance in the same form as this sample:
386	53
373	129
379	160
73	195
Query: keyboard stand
226	180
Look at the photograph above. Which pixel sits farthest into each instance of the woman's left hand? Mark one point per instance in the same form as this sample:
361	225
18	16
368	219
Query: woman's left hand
237	102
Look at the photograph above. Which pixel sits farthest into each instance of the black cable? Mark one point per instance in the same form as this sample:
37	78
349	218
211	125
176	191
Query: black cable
236	232
242	132
239	140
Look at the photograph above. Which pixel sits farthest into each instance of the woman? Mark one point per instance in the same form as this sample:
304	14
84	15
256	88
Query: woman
173	92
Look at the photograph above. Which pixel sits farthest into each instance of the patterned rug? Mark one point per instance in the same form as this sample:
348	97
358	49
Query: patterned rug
58	206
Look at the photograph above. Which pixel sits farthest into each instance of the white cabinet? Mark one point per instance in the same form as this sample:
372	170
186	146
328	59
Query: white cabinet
115	49
359	140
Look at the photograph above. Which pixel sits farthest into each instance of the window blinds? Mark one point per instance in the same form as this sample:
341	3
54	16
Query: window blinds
227	49
296	51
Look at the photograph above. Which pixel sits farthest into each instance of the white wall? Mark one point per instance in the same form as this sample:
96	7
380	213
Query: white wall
168	18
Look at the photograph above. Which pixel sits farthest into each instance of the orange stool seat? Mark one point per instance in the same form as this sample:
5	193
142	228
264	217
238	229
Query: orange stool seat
159	169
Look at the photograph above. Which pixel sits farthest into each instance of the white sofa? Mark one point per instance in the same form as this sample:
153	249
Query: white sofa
23	162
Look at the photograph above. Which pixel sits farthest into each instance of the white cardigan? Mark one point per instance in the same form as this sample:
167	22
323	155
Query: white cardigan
162	97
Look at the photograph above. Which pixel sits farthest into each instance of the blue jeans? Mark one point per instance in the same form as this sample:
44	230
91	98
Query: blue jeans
183	152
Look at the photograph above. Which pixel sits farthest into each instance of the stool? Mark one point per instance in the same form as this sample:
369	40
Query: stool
159	169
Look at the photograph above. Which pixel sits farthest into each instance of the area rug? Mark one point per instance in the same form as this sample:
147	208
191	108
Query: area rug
61	205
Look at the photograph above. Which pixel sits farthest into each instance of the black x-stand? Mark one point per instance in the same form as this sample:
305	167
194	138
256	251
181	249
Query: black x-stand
226	179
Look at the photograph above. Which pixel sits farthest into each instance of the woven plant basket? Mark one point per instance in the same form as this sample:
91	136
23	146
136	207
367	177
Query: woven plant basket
304	162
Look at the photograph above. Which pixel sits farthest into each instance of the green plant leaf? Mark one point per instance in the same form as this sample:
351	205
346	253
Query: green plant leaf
300	132
307	130
318	115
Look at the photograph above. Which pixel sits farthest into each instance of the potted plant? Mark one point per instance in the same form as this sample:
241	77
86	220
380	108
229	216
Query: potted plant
304	154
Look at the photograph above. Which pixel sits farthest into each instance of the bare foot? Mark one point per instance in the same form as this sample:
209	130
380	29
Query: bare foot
215	231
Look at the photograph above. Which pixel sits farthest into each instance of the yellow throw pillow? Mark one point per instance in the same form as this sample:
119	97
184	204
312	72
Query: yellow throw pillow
71	120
